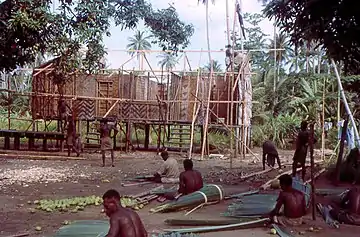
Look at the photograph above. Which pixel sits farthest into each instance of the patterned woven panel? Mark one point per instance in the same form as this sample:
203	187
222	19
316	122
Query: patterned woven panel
140	111
84	108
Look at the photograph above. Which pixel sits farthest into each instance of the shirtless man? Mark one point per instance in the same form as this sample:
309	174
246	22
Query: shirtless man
302	142
106	140
190	180
169	172
72	140
62	113
123	222
270	154
349	210
293	201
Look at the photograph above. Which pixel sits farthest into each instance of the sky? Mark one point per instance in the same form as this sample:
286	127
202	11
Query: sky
190	12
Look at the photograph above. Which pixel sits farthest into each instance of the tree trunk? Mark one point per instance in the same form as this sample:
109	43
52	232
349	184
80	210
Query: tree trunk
307	57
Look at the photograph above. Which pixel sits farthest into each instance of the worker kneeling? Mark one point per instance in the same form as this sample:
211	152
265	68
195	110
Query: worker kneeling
293	202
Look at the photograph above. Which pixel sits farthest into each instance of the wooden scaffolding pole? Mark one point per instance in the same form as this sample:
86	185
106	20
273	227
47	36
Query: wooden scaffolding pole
196	109
231	119
210	83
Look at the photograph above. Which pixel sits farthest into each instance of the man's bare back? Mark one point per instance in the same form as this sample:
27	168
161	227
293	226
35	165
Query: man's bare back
294	203
190	181
293	200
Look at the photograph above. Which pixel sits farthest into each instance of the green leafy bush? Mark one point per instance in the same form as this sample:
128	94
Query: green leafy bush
280	130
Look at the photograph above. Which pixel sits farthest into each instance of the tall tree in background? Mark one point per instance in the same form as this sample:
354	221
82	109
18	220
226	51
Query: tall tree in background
335	27
29	27
167	61
256	39
140	41
216	66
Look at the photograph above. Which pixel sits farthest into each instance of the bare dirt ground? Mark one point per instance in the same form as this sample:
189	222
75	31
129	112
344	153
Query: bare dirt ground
23	180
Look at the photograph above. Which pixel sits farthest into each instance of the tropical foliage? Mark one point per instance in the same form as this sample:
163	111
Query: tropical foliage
290	85
30	27
333	25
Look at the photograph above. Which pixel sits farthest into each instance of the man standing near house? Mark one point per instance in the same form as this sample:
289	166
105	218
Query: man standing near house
62	113
293	201
72	139
106	139
169	172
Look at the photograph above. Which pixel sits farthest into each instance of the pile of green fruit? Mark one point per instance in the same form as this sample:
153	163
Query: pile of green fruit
131	203
79	203
69	204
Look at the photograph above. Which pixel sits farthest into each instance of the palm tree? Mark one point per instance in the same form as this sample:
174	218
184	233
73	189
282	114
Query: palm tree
140	41
281	43
167	61
216	66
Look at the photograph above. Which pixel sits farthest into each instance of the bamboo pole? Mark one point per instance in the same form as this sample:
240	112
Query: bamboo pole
210	83
323	122
196	109
193	51
233	154
147	61
357	138
43	69
75	97
9	104
111	108
312	170
230	130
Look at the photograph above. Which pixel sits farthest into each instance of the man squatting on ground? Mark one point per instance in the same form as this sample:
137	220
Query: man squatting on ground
106	140
73	141
270	154
348	210
169	172
123	222
293	201
190	181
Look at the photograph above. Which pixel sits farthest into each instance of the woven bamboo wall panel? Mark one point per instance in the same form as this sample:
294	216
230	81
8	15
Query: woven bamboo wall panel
85	108
132	110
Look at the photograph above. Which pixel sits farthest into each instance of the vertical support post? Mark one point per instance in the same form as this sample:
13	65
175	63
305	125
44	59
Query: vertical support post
128	136
147	136
312	171
159	138
357	138
9	105
87	131
341	151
